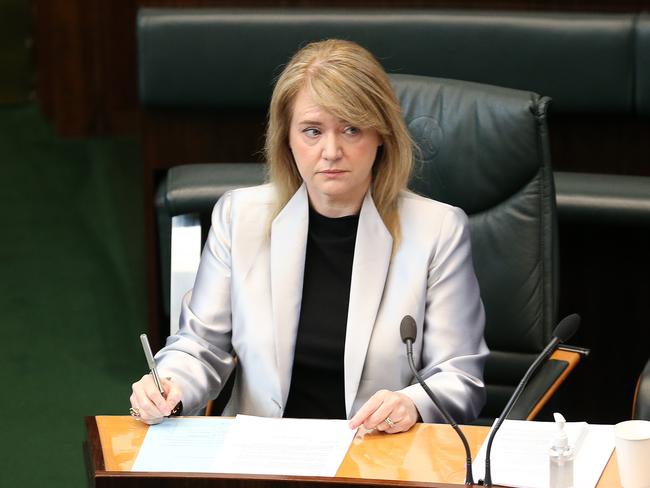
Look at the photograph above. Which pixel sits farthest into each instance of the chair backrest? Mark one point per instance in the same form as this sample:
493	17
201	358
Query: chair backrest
485	149
641	408
587	62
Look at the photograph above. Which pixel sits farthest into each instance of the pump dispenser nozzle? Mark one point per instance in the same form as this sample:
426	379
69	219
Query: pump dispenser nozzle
560	456
560	441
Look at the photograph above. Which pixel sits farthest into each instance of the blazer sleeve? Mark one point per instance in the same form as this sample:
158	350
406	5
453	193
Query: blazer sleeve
453	350
198	358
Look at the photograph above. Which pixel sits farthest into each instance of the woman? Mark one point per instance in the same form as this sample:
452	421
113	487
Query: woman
307	278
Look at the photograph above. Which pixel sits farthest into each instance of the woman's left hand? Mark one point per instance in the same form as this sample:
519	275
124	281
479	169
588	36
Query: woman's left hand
386	411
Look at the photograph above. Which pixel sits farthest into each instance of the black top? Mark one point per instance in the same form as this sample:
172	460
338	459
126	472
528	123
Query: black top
317	379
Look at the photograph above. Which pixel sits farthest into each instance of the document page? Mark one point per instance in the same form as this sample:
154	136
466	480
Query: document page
183	445
245	445
300	447
520	453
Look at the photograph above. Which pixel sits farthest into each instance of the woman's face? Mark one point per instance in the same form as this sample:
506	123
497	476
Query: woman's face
333	157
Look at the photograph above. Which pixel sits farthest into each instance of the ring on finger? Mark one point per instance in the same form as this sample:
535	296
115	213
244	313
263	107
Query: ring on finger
135	412
390	422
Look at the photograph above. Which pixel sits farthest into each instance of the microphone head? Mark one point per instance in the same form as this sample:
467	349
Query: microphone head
567	327
407	329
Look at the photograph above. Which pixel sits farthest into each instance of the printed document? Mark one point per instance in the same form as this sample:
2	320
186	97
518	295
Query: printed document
183	444
520	453
246	445
301	447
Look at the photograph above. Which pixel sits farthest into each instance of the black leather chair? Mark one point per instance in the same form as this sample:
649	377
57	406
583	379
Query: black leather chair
641	409
485	149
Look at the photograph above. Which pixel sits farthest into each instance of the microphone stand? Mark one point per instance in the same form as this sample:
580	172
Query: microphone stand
563	332
515	396
469	479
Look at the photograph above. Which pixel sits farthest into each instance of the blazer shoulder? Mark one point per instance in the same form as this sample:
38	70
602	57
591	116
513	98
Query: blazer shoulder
253	195
243	204
417	207
242	197
431	226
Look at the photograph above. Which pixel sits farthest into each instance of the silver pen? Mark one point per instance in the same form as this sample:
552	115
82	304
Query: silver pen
152	364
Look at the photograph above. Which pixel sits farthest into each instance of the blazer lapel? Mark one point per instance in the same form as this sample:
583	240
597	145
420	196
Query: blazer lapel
288	247
372	253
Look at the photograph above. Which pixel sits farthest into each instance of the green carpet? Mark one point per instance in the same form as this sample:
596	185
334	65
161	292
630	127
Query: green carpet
72	293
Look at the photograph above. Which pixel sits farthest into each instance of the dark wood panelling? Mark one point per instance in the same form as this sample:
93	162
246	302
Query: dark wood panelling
85	63
62	58
600	143
114	67
175	137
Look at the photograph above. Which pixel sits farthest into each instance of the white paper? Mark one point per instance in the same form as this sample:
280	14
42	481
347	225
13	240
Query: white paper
246	445
594	455
183	445
299	447
520	453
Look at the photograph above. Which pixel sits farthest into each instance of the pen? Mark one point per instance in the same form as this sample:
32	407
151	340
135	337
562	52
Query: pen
152	364
154	372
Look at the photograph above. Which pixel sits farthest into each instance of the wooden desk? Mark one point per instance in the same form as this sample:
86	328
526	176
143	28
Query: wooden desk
429	455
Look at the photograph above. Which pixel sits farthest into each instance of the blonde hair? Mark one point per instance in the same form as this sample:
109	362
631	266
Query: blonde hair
346	80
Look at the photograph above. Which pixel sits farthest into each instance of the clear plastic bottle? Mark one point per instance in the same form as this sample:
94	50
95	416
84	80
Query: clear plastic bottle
560	457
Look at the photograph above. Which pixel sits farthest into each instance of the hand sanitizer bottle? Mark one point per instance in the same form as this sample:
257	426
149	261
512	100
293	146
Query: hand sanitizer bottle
560	457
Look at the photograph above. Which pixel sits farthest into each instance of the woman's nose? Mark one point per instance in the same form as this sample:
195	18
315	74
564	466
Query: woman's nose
331	148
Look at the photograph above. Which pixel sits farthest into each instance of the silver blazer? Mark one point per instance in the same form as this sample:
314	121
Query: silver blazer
247	294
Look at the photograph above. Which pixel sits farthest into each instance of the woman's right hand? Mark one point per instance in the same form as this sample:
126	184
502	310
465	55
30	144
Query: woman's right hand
149	403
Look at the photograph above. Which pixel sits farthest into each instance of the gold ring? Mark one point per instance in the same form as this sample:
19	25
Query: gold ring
135	412
390	422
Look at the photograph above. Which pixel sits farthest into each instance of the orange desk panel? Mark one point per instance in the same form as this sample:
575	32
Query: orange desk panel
428	453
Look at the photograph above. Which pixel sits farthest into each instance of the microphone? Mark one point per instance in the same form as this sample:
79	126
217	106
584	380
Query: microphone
563	332
408	331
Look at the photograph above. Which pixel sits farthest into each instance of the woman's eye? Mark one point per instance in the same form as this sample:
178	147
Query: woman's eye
352	130
311	131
